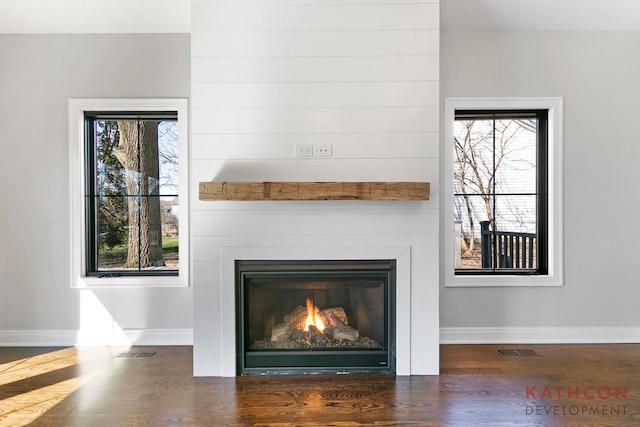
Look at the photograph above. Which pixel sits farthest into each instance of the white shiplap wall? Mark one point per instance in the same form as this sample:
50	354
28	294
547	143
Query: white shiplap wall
361	75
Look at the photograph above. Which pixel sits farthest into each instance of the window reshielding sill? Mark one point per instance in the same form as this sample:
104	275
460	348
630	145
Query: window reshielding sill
131	282
501	281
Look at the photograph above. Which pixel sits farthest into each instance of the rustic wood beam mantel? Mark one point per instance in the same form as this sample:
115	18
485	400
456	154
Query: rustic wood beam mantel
291	190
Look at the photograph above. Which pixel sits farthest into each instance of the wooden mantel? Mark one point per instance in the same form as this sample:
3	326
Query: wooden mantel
292	190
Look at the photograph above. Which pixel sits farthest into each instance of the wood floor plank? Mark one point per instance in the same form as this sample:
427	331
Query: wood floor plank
563	385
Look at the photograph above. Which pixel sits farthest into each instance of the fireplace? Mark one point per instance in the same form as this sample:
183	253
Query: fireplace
313	316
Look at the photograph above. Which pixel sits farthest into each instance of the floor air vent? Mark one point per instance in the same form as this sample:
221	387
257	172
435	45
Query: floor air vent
520	352
135	354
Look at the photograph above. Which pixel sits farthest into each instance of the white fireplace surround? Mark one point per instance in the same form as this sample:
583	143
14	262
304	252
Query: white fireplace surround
401	254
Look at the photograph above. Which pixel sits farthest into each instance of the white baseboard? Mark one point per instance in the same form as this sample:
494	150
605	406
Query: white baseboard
560	335
54	338
576	335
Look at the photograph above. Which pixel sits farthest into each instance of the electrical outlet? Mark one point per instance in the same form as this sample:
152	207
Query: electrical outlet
322	150
304	150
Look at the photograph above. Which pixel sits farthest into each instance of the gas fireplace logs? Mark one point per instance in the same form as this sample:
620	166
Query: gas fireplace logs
311	327
318	327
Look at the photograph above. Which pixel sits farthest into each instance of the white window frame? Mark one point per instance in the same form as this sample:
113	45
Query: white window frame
555	231
77	109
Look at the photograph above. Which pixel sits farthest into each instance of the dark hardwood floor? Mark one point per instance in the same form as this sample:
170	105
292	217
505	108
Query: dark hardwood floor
559	385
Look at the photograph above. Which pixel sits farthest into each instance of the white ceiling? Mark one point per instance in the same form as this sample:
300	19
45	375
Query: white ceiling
173	16
540	15
95	16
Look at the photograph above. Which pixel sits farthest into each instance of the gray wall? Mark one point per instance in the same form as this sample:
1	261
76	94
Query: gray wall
38	74
596	73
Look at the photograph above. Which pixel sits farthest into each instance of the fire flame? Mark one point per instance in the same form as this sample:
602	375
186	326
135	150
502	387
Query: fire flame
313	317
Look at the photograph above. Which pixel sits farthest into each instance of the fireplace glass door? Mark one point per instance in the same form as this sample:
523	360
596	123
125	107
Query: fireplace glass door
315	316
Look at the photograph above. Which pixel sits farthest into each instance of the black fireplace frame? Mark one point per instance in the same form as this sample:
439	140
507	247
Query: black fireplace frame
251	362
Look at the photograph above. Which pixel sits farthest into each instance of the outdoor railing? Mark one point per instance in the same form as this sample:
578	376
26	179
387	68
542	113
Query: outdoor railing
507	249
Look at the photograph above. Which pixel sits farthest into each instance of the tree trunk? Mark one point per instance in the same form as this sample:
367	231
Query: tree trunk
138	152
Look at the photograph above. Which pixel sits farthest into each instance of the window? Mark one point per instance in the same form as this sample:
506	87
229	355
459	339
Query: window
131	193
503	192
129	162
500	191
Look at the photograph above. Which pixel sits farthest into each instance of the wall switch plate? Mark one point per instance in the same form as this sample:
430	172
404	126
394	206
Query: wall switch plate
322	150
304	150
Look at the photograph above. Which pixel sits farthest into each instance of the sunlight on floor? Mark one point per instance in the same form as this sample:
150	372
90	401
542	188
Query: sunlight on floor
24	408
58	374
